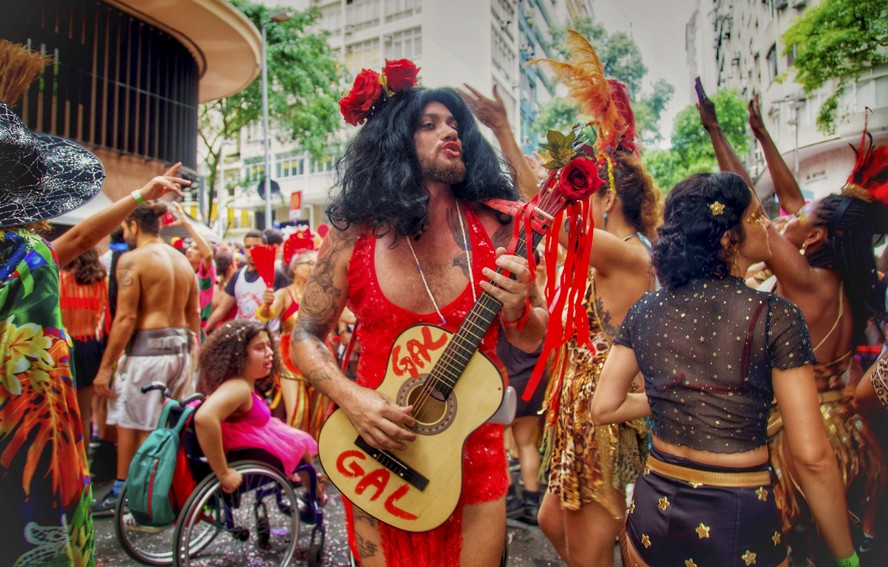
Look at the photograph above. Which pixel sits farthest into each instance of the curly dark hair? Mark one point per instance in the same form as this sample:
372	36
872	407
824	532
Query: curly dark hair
852	227
224	355
689	244
86	268
380	180
147	216
638	194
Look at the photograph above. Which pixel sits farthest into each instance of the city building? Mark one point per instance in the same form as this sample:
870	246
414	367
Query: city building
482	43
128	76
738	44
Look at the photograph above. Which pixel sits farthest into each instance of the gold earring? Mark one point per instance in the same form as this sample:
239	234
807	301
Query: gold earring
804	246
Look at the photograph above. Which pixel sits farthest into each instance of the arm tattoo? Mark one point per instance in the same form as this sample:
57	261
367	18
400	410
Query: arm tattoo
321	295
124	278
604	317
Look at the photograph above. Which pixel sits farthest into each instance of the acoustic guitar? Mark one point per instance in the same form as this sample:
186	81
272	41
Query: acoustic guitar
453	388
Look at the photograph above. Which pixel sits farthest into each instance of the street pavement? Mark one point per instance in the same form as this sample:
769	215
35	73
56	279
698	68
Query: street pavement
527	545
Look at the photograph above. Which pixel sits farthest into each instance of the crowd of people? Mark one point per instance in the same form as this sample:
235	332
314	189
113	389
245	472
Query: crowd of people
693	418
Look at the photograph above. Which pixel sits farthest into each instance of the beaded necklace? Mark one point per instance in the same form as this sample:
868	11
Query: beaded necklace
462	229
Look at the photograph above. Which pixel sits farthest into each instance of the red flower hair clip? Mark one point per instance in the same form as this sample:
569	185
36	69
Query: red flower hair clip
372	89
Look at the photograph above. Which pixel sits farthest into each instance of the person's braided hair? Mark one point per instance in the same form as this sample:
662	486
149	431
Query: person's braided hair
852	225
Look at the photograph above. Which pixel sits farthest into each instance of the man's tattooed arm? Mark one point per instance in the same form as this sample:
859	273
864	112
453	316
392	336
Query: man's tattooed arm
323	300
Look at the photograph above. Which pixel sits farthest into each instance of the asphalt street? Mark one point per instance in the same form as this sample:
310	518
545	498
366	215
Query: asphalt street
527	545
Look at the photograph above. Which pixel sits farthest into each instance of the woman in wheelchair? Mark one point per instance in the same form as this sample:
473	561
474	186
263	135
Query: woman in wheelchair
233	417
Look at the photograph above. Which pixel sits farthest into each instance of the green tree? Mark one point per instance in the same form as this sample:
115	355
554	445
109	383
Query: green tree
837	39
691	150
303	81
621	59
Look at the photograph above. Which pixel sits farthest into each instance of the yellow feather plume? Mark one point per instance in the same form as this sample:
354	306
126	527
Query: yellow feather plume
584	78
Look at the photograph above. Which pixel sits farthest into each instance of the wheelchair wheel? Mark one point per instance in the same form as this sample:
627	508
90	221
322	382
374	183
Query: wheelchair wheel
258	524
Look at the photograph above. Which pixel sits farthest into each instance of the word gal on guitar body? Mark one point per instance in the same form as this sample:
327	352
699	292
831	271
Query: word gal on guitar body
453	388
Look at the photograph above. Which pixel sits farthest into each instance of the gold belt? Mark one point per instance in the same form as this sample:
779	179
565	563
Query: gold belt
744	479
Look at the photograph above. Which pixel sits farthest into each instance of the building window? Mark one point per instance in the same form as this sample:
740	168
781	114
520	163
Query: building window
361	14
772	62
406	43
503	56
253	172
331	18
398	9
289	165
362	55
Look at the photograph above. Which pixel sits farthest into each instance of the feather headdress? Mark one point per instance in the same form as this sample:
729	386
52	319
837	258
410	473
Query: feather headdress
604	101
869	177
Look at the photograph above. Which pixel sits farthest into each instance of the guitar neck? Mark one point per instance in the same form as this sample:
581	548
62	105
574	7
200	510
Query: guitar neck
469	335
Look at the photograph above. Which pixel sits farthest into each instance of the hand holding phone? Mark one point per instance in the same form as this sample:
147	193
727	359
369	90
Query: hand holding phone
698	86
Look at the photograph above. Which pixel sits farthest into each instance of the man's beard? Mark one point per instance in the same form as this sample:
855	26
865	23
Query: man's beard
450	173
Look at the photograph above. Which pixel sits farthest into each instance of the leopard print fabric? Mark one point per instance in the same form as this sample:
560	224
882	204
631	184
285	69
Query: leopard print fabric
586	461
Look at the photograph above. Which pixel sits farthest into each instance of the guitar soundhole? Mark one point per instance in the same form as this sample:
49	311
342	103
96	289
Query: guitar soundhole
432	411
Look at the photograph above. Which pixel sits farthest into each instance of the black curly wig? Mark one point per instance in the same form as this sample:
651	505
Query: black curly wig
689	244
852	227
380	180
224	355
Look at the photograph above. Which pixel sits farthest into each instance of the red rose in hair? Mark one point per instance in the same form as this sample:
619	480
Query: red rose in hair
579	179
356	105
400	74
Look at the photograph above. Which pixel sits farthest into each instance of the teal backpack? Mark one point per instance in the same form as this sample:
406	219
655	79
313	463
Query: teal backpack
152	470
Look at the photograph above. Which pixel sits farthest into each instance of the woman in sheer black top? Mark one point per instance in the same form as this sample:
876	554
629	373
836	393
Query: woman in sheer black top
714	353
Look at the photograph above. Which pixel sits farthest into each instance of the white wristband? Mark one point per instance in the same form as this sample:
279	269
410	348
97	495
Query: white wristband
138	197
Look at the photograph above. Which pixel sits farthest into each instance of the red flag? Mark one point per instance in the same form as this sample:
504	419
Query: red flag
263	260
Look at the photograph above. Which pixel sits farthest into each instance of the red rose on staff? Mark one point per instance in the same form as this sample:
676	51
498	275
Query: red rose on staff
365	92
578	179
400	74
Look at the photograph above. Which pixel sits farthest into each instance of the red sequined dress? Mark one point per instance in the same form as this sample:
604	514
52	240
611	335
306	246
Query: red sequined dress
379	323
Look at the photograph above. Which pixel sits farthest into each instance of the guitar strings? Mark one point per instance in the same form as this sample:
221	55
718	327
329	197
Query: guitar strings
446	361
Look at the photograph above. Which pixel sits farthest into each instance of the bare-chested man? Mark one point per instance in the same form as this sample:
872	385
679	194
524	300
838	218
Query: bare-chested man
156	323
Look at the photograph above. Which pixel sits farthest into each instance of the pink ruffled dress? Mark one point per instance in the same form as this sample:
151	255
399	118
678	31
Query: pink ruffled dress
258	430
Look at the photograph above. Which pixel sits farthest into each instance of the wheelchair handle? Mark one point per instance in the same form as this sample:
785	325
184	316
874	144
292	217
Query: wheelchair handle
156	386
191	398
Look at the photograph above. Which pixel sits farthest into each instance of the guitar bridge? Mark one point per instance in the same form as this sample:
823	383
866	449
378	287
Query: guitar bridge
394	464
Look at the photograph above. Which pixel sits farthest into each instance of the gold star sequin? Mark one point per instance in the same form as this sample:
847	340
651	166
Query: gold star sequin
717	208
702	531
632	506
647	469
690	563
762	494
748	557
646	541
695	484
663	503
776	538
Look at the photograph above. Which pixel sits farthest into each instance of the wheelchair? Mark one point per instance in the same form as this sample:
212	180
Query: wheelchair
258	524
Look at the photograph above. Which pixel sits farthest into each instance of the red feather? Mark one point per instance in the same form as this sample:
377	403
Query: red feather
870	172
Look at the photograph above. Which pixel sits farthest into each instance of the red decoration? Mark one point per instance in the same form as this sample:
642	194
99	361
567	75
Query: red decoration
323	229
371	89
356	106
298	242
579	179
263	259
400	74
869	177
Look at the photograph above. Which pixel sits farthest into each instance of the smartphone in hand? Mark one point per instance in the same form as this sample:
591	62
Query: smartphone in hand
698	86
168	218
